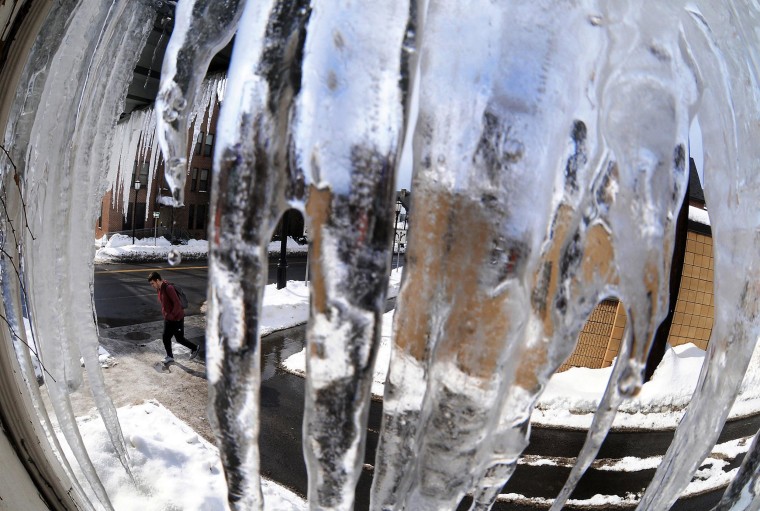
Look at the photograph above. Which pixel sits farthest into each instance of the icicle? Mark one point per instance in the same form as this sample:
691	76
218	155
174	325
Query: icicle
556	290
253	183
101	102
18	128
725	37
66	149
471	227
349	127
201	28
644	61
13	292
742	493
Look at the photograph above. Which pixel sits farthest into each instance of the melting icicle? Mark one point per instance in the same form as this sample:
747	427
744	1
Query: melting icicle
349	128
201	28
729	115
82	96
548	341
253	185
507	256
644	61
743	494
470	229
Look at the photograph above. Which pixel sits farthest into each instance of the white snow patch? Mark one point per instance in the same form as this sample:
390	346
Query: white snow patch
173	466
699	216
120	247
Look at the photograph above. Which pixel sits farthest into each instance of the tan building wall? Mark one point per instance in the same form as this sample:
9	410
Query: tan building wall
695	309
599	341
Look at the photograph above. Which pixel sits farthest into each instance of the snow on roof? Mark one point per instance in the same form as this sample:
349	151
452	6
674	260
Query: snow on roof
699	215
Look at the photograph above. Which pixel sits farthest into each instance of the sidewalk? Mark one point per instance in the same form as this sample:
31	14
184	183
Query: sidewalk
135	373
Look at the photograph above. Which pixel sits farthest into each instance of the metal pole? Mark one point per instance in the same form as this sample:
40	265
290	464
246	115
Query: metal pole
134	207
282	265
306	279
395	230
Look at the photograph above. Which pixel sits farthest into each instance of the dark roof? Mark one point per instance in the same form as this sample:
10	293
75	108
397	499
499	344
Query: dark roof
695	187
144	87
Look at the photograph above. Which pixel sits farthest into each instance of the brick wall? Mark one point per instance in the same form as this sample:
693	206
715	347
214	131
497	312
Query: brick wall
599	341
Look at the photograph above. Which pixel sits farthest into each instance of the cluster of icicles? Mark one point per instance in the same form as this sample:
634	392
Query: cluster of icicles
550	161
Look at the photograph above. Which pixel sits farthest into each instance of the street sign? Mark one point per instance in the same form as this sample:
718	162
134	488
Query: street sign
156	214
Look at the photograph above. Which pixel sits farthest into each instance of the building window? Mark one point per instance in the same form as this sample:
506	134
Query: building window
203	181
200	217
208	147
144	172
193	179
140	173
198	143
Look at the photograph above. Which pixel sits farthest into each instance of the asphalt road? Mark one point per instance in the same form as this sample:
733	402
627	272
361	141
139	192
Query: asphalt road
123	296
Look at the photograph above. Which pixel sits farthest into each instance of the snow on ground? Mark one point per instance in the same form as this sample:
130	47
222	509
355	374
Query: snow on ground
571	397
173	467
287	307
168	458
120	248
569	400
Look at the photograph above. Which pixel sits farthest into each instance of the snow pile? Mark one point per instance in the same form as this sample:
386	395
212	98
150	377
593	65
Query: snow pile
571	397
105	358
286	307
119	248
173	467
292	247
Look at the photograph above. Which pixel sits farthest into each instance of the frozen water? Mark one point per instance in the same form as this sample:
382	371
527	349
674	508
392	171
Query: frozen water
201	28
347	138
549	155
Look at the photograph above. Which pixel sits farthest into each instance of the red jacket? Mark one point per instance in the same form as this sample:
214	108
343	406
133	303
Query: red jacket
171	308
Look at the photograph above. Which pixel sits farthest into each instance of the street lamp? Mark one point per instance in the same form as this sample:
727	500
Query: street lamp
134	207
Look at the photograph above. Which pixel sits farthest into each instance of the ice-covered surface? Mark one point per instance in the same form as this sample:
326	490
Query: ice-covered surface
173	467
119	248
548	170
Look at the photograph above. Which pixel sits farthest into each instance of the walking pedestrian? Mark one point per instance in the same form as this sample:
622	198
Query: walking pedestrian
174	317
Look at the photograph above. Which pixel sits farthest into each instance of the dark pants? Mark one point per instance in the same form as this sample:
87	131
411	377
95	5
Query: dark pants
176	329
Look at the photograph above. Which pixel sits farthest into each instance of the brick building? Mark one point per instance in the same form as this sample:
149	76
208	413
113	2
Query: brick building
188	221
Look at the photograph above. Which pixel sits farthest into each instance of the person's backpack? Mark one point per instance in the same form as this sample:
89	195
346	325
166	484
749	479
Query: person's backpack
181	295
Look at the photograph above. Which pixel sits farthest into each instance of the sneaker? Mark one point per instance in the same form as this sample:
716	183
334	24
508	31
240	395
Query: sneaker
195	352
167	360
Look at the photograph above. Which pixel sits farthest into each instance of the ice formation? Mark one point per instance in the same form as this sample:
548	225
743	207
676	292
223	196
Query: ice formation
550	157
